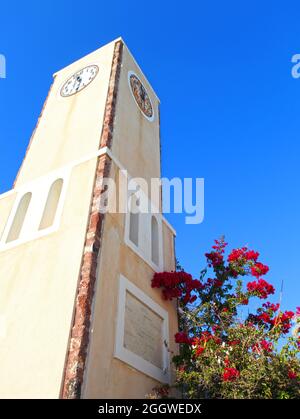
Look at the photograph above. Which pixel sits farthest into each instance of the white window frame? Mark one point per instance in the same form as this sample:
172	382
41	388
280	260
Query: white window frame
127	356
39	189
144	248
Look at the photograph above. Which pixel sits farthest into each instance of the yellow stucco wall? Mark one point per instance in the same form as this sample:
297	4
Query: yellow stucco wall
136	141
39	277
38	285
70	127
136	144
106	376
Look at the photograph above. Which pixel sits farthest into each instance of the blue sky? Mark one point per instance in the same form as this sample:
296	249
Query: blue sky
229	106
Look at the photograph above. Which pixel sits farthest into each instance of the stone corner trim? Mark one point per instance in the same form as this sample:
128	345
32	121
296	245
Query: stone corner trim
80	332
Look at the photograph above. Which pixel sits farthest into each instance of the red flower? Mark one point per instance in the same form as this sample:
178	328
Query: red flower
283	320
266	346
192	299
233	273
196	284
264	317
263	345
230	374
288	315
292	375
234	342
199	350
214	259
272	307
217	340
182	337
244	301
242	255
176	285
237	255
165	279
259	269
218	283
170	293
261	288
205	337
215	327
251	255
220	246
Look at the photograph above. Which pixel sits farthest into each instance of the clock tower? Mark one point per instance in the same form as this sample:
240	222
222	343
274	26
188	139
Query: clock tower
78	316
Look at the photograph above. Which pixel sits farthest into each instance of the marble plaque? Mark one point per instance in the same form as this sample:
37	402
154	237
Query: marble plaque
143	331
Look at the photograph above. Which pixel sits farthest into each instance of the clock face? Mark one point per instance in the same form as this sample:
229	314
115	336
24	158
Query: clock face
79	80
141	96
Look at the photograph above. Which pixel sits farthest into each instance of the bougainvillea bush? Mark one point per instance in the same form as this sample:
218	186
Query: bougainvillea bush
227	351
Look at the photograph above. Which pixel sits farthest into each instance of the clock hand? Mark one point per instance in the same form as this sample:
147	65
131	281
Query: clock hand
79	80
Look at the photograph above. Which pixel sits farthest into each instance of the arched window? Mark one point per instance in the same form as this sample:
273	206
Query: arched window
51	204
134	221
154	241
19	218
